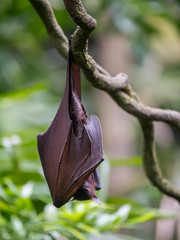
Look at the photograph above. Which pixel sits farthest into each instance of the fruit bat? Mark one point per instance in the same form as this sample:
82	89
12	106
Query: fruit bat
71	149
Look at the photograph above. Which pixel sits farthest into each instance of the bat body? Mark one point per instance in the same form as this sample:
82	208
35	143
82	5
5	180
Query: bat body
71	149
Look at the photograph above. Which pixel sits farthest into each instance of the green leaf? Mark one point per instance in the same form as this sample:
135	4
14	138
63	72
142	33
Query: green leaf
6	208
142	218
22	94
84	227
133	161
77	234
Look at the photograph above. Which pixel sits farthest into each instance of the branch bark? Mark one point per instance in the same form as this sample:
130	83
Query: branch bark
117	87
58	38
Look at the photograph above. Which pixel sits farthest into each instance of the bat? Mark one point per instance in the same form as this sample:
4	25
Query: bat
71	148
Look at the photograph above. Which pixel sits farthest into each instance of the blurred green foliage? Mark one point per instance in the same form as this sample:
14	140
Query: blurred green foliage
31	83
21	218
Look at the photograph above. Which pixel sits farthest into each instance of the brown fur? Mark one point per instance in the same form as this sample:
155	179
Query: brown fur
77	114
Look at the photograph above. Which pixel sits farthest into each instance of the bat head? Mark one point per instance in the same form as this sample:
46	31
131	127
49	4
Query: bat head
86	191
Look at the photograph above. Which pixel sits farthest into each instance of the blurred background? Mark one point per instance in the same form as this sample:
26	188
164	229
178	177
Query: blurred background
140	38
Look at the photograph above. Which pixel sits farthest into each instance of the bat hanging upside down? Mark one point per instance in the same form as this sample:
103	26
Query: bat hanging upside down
71	149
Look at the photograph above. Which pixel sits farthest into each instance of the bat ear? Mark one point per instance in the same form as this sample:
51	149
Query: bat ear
96	199
96	179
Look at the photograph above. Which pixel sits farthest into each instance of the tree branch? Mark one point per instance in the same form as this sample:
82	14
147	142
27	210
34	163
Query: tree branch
151	165
117	87
79	15
58	38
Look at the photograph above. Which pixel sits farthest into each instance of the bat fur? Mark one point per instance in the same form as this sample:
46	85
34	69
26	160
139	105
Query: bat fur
77	114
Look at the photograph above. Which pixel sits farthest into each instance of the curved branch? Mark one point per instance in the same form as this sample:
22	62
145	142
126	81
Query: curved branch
134	106
79	14
100	79
117	87
58	38
151	165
